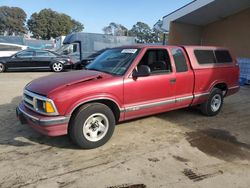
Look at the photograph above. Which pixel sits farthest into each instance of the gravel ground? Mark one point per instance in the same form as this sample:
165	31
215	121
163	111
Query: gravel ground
176	149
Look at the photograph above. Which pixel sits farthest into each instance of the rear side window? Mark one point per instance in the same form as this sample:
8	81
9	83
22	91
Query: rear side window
213	56
44	54
205	56
223	56
179	60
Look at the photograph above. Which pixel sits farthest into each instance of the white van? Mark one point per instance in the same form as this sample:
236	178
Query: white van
8	49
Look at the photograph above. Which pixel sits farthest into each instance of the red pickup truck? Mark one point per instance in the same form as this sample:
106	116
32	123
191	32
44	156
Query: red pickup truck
126	83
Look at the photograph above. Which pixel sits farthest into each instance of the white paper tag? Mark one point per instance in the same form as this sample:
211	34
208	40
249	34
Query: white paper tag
129	51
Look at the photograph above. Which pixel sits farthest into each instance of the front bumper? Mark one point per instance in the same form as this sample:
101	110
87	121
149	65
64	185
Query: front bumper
51	126
68	66
77	66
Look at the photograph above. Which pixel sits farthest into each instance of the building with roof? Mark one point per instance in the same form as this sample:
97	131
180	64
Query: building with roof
210	22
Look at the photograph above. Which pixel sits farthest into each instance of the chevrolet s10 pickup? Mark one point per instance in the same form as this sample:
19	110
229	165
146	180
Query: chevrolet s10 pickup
126	83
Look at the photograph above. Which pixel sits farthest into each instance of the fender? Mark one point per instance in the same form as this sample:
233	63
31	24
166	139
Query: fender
215	83
103	96
210	88
3	62
52	62
202	97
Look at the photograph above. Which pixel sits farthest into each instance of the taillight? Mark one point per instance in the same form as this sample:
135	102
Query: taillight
236	63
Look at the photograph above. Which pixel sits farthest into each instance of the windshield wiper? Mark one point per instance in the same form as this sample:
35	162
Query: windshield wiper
93	69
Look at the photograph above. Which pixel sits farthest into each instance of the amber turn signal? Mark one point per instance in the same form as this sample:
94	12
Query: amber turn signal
49	107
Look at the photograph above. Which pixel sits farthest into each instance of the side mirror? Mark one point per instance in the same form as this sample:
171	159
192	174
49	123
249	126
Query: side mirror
142	71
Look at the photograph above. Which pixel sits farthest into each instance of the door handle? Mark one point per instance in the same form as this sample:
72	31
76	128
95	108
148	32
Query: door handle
172	80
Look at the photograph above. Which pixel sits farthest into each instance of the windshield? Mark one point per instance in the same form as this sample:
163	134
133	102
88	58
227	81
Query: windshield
114	61
68	49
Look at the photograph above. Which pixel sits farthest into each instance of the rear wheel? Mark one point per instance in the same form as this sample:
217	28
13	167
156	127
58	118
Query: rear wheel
92	126
2	67
214	103
57	67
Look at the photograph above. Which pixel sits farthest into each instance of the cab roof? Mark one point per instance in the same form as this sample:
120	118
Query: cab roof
141	46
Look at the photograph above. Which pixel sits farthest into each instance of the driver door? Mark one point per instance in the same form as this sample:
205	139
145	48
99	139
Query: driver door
151	94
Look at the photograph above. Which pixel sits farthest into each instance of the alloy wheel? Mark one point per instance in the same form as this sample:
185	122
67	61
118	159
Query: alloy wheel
95	127
216	102
57	67
1	67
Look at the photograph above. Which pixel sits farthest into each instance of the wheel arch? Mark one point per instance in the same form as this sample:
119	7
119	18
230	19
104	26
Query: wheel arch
223	86
106	101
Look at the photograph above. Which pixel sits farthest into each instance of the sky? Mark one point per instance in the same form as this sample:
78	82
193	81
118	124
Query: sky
96	14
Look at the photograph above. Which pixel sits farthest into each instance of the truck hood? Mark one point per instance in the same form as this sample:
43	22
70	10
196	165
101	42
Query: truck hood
49	84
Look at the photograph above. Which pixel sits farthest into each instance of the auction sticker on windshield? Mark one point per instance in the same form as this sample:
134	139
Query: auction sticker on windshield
129	51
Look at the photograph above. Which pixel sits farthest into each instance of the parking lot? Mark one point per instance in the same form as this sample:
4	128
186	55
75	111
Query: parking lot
176	149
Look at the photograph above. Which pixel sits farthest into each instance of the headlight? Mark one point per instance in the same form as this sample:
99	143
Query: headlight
45	106
40	104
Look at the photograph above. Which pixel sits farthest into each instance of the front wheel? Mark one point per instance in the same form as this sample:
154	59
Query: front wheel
57	67
92	126
2	67
214	103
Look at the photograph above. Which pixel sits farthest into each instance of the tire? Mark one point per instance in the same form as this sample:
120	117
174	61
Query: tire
57	67
92	126
2	67
214	103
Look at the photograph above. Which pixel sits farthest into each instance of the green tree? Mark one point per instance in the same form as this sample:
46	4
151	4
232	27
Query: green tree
115	29
157	36
48	23
142	32
12	20
76	26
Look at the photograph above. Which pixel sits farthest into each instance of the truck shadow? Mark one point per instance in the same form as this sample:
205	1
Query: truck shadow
15	134
224	136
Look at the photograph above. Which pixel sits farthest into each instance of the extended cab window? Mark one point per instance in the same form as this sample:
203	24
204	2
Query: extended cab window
158	61
223	56
179	60
205	56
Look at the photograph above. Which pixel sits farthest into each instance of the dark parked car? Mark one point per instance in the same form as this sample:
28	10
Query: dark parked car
90	58
35	60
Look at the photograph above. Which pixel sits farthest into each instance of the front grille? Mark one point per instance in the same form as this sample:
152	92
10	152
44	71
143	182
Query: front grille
29	100
28	96
28	105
